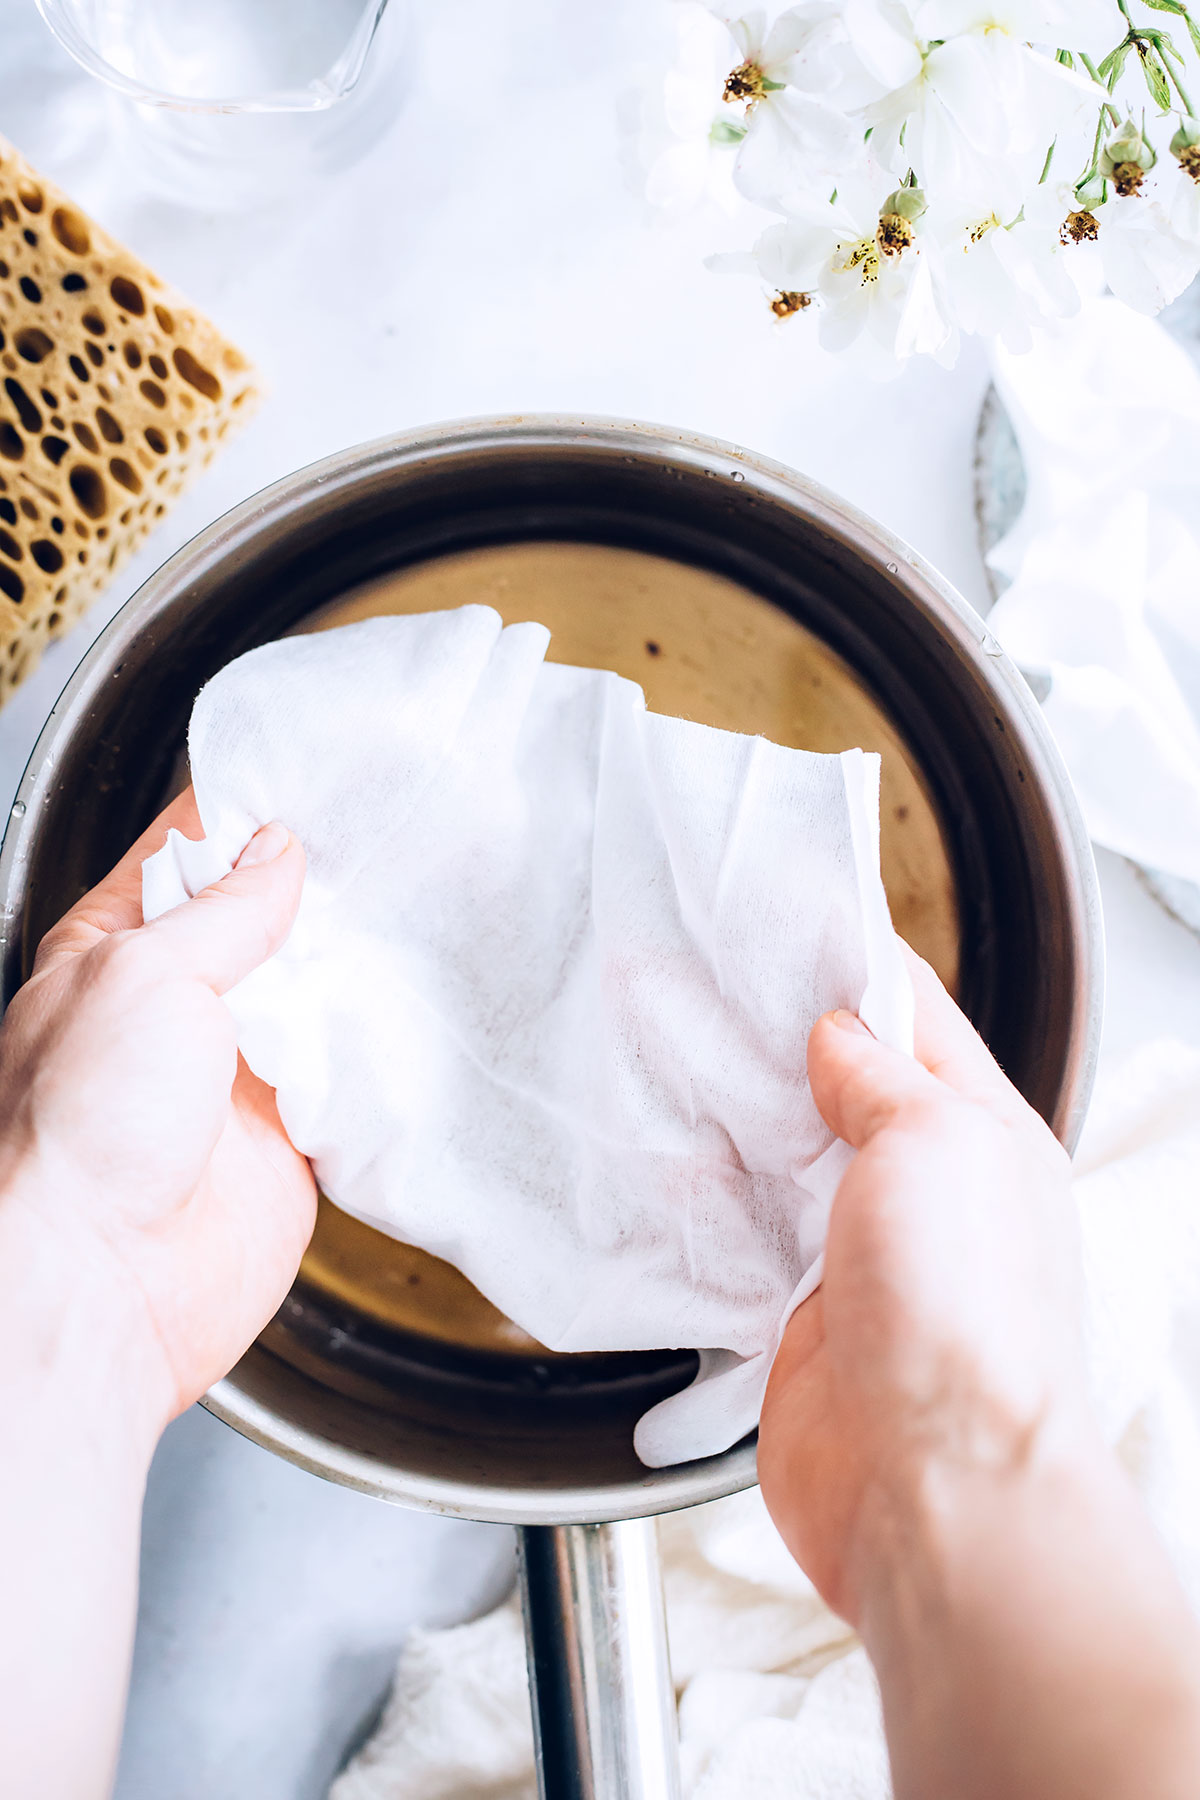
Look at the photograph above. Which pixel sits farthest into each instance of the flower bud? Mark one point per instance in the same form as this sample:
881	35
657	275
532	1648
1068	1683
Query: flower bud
1185	148
906	203
1128	145
1126	157
1090	194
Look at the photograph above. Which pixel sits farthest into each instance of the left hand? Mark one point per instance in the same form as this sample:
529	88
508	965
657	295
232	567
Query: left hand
141	1163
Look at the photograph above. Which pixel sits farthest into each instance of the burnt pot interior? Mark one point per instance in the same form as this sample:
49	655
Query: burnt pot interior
431	1424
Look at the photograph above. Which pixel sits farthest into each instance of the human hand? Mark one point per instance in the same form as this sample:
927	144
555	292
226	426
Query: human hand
945	1339
142	1165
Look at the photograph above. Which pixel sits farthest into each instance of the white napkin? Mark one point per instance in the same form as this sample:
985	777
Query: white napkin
1104	598
777	1699
544	1008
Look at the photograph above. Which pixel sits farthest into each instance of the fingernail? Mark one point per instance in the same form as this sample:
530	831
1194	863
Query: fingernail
268	842
848	1021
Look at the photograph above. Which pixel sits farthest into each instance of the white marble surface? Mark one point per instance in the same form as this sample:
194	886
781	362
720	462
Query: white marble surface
491	254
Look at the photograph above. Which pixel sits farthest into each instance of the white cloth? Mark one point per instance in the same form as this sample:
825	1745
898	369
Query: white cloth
777	1700
1103	562
544	1008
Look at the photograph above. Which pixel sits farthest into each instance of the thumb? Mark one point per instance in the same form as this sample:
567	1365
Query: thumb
231	927
859	1084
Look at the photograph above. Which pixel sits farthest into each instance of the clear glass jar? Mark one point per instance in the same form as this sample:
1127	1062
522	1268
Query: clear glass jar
231	103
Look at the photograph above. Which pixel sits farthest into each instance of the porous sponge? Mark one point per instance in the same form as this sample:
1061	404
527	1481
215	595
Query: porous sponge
115	393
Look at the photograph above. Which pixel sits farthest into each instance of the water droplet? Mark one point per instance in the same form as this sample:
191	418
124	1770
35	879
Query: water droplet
738	476
991	646
18	809
893	568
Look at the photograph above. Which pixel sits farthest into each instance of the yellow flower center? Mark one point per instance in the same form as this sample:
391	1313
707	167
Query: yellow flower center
861	255
1079	228
893	234
1128	178
746	82
788	301
977	232
1189	160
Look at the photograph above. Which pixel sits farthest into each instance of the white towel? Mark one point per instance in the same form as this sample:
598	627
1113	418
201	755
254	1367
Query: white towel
777	1699
1103	563
544	1008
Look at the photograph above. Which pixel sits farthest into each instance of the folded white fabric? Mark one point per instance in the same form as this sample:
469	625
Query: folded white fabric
544	1008
1103	601
777	1698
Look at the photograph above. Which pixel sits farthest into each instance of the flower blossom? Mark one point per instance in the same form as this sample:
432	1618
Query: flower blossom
1146	242
864	257
687	153
790	135
1002	274
959	76
942	167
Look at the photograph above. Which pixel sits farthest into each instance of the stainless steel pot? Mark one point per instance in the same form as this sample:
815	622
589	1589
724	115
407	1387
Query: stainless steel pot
545	1442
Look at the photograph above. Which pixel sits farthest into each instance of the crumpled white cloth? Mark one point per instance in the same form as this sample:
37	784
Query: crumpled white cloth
1104	599
777	1699
544	1008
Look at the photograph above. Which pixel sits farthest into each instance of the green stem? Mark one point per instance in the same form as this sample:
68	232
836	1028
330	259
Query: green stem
1179	87
1094	72
1048	161
1095	162
1167	62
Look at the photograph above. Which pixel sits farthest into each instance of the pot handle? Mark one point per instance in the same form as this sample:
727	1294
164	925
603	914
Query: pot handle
604	1723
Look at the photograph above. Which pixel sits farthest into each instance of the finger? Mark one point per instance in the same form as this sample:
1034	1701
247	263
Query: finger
238	922
859	1084
947	1043
802	1337
115	904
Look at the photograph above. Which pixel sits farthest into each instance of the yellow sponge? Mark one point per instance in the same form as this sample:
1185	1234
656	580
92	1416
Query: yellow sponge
114	393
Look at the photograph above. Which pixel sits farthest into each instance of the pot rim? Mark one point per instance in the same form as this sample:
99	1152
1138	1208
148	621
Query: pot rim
687	1484
652	1492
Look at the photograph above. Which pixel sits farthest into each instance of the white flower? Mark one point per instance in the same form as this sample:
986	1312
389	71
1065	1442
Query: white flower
1148	243
791	137
1087	25
960	76
806	48
1181	188
1004	273
688	160
1148	247
872	271
919	152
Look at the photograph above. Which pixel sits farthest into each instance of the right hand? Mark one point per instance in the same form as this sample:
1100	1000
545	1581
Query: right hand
945	1339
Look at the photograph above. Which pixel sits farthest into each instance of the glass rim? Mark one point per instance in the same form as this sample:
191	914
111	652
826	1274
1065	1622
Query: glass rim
316	95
